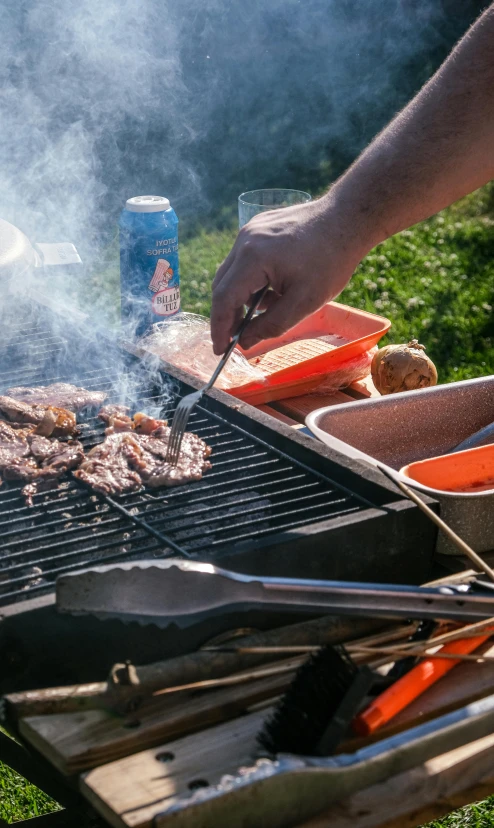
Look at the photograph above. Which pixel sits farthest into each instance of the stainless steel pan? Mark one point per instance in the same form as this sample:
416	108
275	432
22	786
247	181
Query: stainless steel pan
18	256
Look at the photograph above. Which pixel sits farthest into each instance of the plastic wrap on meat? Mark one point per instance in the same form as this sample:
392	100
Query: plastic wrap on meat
185	341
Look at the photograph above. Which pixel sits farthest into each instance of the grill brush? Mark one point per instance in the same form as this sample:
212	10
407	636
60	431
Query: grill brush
161	591
313	715
326	694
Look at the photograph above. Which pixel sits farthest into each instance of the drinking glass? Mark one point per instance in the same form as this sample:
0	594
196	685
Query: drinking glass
258	201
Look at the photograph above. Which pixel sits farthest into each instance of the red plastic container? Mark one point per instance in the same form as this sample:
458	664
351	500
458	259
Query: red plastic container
304	359
464	471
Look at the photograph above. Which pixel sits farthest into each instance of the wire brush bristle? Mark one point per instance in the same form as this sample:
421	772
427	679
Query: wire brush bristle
321	694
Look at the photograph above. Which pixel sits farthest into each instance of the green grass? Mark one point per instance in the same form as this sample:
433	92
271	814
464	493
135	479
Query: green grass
435	282
19	800
480	815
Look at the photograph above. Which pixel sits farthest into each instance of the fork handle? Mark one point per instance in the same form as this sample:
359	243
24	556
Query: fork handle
258	297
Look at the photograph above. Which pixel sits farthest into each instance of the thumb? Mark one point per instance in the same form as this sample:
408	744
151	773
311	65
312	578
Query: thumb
282	314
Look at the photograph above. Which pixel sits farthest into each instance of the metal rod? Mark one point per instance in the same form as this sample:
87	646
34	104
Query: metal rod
238	678
454	538
144	525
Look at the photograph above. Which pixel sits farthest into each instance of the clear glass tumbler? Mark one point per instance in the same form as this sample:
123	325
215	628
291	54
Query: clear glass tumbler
259	201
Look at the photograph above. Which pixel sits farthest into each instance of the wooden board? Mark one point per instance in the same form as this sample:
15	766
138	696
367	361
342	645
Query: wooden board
282	418
73	818
420	795
132	791
362	389
300	407
74	742
466	683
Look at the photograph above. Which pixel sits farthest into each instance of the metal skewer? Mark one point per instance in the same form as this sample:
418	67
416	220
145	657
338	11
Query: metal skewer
481	565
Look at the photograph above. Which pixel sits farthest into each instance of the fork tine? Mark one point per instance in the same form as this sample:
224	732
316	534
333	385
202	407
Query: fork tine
179	425
180	420
178	441
173	437
177	432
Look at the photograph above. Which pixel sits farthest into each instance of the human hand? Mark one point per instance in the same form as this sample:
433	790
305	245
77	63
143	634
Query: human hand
307	253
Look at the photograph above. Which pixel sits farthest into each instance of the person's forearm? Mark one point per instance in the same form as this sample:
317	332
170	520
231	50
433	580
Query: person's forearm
435	151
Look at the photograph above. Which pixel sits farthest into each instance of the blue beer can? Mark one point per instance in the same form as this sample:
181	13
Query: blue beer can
149	274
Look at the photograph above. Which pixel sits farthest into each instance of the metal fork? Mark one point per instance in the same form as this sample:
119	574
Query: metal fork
186	404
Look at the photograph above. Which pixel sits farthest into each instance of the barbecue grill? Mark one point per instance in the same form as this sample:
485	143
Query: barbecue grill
274	502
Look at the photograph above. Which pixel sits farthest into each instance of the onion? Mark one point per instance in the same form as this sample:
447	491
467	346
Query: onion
402	368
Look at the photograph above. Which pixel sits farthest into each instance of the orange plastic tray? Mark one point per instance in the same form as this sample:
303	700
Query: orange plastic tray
298	361
464	471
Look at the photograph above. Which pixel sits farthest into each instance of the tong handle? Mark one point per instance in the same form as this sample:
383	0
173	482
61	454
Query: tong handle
258	297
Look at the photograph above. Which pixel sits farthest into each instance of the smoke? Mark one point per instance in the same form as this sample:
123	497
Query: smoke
195	99
82	81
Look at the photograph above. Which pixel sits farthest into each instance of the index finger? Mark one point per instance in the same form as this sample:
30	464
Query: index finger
234	291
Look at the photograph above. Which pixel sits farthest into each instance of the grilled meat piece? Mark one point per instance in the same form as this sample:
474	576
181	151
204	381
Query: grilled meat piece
146	425
23	468
40	447
118	420
20	412
49	461
109	411
123	462
192	462
109	468
13	444
60	395
20	468
57	422
30	458
119	424
63	457
49	420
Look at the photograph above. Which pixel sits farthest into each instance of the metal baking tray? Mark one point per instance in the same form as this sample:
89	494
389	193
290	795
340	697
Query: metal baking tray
402	428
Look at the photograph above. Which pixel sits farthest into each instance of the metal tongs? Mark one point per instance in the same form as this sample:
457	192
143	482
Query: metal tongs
188	403
161	591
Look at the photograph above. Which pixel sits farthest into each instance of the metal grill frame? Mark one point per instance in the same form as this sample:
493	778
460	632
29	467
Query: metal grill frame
387	540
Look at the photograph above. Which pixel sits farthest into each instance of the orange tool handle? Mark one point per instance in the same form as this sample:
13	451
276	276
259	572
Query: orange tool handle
412	685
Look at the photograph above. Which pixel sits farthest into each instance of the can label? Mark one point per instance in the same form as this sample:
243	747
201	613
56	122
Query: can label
166	300
149	272
161	276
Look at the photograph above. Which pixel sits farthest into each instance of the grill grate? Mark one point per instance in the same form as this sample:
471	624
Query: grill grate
252	491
